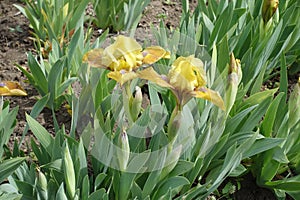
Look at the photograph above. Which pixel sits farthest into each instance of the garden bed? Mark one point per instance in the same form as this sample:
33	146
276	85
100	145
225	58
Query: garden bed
16	41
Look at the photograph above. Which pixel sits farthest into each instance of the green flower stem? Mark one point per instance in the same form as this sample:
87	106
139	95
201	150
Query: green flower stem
127	98
173	126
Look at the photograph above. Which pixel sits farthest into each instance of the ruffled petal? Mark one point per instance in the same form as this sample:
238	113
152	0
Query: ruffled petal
122	46
187	73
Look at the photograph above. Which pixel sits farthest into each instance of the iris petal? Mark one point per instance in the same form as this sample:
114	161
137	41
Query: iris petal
11	88
94	58
187	73
122	77
151	75
154	53
210	95
124	54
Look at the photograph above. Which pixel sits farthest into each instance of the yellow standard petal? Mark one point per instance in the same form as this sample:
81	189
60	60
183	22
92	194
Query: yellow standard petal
123	48
123	45
11	88
187	74
210	95
125	53
154	53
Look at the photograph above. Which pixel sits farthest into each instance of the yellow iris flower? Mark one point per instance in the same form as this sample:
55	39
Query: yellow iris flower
124	57
11	88
186	79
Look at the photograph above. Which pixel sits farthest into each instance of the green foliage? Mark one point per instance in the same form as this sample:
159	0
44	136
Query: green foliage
61	43
7	164
54	77
233	27
7	123
108	154
54	20
119	14
259	56
282	161
62	168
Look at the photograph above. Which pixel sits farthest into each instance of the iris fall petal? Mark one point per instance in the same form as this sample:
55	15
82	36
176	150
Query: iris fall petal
210	95
11	88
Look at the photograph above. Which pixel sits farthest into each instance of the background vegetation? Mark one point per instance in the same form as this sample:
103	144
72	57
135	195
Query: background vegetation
258	132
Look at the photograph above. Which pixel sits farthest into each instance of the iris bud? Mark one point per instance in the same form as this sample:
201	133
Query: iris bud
136	103
294	105
233	80
268	9
124	152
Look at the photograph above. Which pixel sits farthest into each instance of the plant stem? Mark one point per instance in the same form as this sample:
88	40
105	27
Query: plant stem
127	97
173	126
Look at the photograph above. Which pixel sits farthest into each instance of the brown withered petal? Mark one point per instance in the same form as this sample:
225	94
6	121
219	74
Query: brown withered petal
154	53
94	58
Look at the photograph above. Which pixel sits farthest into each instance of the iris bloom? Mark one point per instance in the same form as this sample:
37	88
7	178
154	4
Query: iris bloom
11	88
124	57
186	79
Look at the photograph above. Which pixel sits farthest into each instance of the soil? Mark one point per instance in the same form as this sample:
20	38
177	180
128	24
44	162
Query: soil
250	191
15	42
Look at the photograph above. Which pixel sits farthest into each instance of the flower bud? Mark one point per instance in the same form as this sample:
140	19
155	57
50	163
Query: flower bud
233	80
136	103
65	10
235	67
294	105
70	178
124	152
268	9
42	185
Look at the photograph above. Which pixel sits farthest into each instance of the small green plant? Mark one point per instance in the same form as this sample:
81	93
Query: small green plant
278	169
7	123
55	75
7	164
53	20
61	42
228	190
119	14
